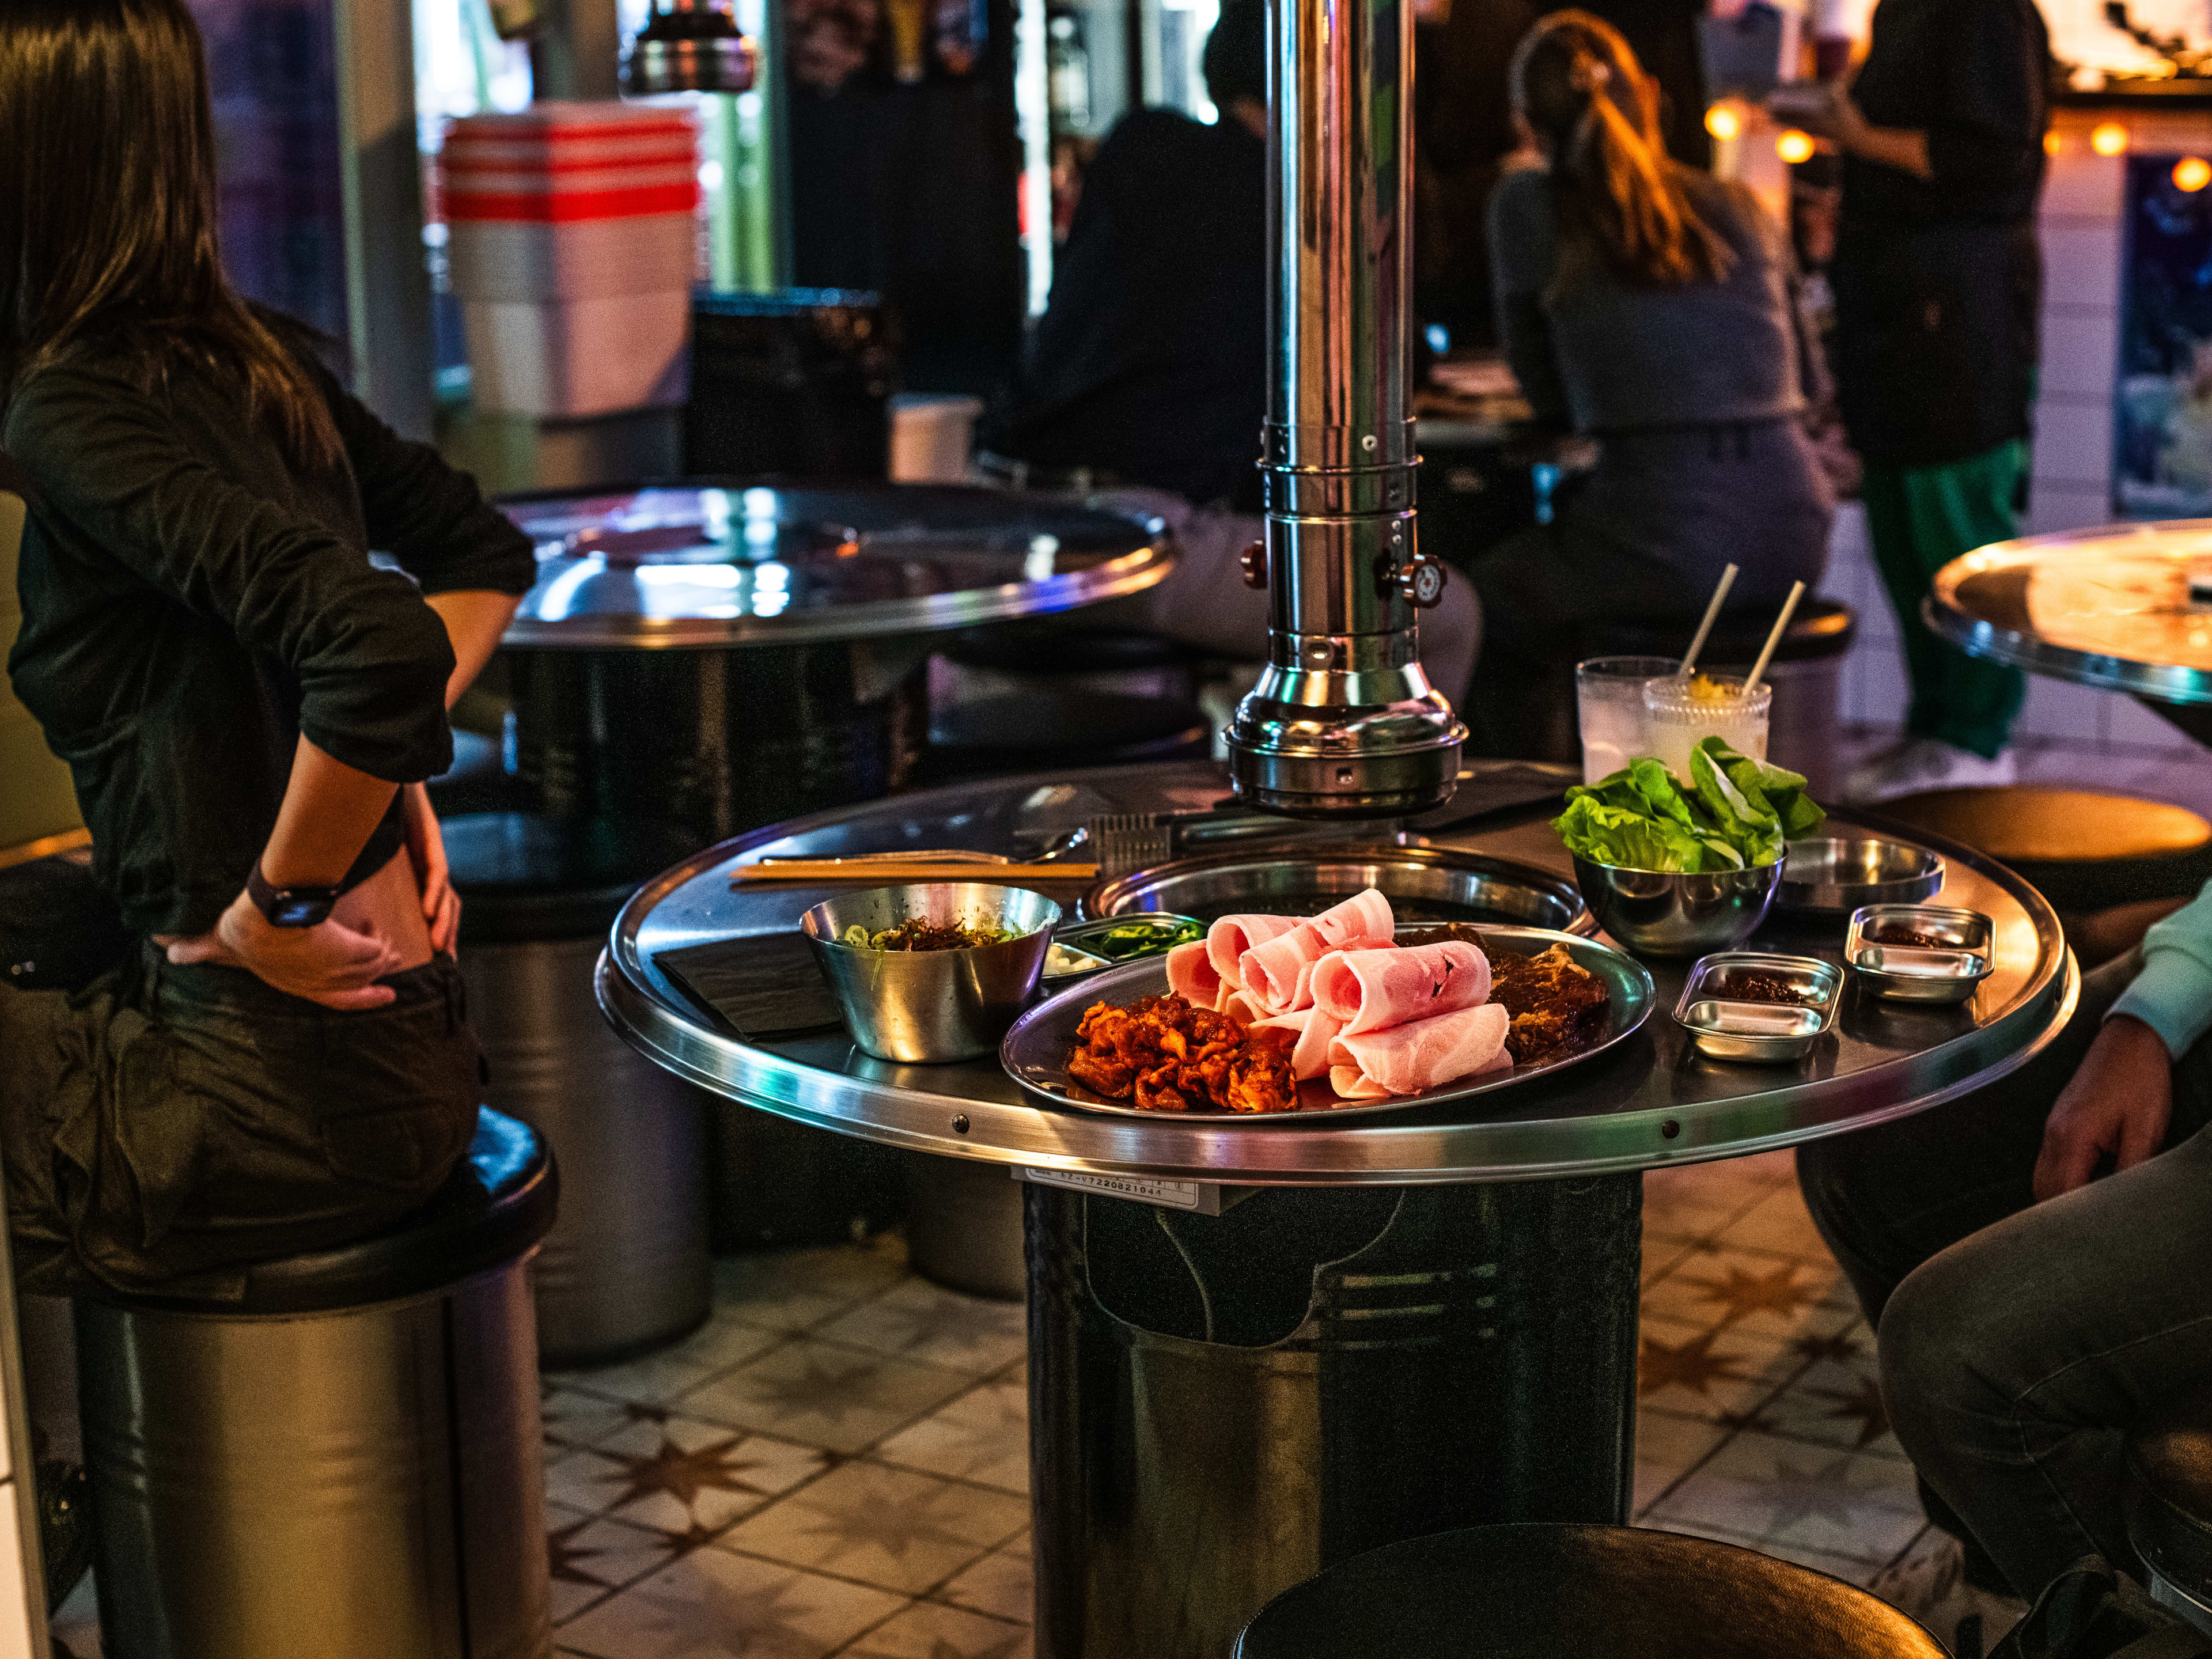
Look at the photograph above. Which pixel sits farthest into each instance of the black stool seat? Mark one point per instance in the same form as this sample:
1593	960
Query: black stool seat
1547	1591
1820	629
2170	1493
498	1202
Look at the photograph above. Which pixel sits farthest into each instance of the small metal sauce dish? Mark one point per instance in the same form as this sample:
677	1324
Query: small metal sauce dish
1837	874
1886	948
1727	1024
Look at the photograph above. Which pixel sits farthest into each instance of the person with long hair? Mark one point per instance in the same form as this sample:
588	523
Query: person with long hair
1652	308
247	703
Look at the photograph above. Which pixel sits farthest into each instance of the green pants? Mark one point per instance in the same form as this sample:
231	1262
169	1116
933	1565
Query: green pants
1920	518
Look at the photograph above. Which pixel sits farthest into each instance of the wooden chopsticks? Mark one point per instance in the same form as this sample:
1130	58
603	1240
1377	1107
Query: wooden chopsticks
897	872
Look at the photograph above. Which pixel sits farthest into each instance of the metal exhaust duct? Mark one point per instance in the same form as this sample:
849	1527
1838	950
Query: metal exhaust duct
1343	724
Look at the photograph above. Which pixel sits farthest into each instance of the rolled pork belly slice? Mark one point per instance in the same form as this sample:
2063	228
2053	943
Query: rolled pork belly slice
1370	989
1308	1032
1270	970
1240	1007
1191	976
1302	996
1231	937
1425	1053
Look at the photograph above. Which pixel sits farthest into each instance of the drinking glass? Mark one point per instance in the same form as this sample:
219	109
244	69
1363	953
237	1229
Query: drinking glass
1609	705
1678	722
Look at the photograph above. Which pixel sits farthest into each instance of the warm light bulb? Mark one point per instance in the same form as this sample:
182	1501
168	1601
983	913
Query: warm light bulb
1724	122
2108	138
1793	146
2192	173
2053	143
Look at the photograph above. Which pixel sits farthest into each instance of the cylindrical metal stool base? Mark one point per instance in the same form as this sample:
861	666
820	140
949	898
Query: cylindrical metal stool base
1220	1407
626	1268
362	1485
964	1226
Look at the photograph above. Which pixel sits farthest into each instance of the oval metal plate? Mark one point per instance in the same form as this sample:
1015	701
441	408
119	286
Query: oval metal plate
1035	1051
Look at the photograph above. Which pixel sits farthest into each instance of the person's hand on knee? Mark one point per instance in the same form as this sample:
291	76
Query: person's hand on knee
2120	1102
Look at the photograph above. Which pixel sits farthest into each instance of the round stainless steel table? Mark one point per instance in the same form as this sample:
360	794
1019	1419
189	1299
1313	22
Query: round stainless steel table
1257	1349
718	655
2109	607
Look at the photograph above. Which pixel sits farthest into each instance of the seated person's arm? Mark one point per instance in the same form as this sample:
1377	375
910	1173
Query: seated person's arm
372	658
2120	1103
472	564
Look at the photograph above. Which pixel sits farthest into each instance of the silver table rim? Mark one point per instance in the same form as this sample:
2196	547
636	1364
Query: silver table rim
900	1109
1980	636
1139	568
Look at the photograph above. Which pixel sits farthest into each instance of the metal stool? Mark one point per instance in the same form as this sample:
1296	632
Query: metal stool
2084	850
1546	1592
344	1464
2170	1505
626	1269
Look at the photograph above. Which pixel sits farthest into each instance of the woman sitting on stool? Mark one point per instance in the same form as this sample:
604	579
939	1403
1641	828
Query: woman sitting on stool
248	705
1651	306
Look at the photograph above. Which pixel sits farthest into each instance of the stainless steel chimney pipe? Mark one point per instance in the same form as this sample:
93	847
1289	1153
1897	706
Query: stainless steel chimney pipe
1344	723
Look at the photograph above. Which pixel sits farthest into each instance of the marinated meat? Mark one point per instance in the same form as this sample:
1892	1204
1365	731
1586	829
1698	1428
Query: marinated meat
1168	1056
1557	1003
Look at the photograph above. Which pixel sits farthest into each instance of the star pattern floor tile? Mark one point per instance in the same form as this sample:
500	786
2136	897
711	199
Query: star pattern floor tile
825	1395
891	1527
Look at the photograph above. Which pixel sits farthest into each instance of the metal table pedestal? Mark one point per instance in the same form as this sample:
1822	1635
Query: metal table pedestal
1222	1406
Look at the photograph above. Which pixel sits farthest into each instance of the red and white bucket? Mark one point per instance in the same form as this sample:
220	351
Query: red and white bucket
573	246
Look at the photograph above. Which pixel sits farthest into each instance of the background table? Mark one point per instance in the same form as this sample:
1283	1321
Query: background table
2108	607
716	654
1409	1323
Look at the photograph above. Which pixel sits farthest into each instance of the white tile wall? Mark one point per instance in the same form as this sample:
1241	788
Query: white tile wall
2074	439
2079	345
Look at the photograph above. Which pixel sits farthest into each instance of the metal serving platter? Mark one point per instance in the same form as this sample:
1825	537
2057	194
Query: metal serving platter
1035	1051
1650	1100
1428	884
727	562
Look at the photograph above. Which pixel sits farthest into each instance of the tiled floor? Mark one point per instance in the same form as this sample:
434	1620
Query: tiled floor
837	1462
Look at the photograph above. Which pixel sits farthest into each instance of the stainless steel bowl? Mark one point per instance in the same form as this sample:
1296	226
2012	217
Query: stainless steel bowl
1659	913
1884	949
920	1006
1725	1020
1838	874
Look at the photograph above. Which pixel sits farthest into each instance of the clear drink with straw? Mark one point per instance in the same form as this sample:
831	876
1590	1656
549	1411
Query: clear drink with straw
1609	709
1682	713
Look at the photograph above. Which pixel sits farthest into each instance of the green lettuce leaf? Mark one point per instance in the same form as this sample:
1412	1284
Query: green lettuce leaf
1744	820
1775	788
1630	840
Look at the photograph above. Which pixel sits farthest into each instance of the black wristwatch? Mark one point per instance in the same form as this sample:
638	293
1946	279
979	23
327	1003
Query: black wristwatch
289	907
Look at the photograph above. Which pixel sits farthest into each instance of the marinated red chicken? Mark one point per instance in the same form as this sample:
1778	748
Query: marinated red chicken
1168	1056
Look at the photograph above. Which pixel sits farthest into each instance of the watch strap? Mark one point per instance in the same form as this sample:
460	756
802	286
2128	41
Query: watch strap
279	906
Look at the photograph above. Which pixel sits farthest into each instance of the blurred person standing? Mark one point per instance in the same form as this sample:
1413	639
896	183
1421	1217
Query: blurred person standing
1651	306
1937	280
1146	383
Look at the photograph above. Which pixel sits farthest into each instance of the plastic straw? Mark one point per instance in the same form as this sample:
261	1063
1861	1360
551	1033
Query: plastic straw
1789	609
1712	612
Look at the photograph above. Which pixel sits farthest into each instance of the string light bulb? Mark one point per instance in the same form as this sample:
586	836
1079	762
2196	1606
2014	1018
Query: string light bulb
1724	122
2053	143
1793	146
2192	174
2108	138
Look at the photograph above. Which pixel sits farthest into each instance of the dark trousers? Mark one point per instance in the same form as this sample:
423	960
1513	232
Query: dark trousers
2017	1339
162	1120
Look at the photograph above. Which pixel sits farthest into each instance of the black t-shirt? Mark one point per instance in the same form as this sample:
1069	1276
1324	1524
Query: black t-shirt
192	602
1972	74
1151	363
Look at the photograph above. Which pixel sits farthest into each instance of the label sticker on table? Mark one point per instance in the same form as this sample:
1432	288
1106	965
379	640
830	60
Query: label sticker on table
1199	1197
